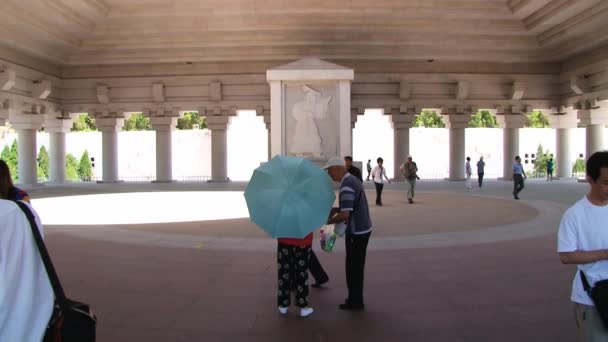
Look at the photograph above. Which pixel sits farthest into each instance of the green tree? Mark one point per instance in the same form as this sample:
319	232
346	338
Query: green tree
429	119
10	161
190	119
137	122
84	123
43	164
536	119
85	168
540	160
483	119
71	167
579	166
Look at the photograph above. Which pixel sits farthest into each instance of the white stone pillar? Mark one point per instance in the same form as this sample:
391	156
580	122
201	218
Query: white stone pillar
164	127
219	147
594	116
109	128
401	139
28	164
269	129
563	123
594	139
57	128
456	123
510	124
26	124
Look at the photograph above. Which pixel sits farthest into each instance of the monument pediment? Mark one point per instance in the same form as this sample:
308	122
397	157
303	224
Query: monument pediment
310	69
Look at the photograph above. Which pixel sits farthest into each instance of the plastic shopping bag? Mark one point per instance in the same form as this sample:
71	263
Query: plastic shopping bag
328	238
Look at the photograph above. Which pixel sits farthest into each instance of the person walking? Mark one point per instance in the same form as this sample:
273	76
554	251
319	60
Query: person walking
377	175
369	168
480	170
550	170
353	170
518	177
468	171
293	258
582	240
354	211
409	170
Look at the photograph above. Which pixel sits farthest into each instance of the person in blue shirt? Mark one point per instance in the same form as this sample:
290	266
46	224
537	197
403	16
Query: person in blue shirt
550	169
518	177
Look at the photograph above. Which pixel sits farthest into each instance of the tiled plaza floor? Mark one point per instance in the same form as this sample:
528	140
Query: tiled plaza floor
506	286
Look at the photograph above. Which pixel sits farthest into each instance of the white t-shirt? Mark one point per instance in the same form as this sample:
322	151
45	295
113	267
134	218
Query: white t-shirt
379	173
583	227
26	295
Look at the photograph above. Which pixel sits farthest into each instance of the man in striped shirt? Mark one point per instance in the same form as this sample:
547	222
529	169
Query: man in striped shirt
353	211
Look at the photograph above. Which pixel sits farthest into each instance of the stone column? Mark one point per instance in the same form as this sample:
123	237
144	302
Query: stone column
164	126
219	143
109	127
563	123
401	122
456	123
594	116
510	124
269	129
57	128
27	123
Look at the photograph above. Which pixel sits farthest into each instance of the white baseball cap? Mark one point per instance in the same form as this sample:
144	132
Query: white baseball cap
334	161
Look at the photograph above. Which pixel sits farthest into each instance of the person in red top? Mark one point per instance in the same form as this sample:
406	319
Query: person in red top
293	258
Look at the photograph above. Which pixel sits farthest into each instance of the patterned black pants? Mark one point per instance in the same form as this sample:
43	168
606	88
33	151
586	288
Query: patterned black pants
292	263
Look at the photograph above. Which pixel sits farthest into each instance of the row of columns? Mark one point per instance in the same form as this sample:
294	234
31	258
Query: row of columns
28	125
510	122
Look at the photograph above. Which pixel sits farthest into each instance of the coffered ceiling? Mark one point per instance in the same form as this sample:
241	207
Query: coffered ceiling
93	32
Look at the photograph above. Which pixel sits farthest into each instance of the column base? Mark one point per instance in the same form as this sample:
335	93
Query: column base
111	182
163	181
219	181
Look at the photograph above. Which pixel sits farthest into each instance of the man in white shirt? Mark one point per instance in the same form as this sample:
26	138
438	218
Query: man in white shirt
26	295
583	241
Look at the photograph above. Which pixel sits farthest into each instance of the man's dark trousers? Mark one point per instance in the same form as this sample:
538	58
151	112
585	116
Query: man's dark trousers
315	268
518	184
356	249
379	187
480	179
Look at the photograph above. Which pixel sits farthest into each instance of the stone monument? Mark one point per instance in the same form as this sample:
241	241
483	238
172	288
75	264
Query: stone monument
310	109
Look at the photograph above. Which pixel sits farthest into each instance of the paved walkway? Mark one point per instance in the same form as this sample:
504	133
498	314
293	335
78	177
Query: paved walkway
457	265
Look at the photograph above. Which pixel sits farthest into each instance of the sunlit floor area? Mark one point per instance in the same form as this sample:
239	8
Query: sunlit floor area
182	262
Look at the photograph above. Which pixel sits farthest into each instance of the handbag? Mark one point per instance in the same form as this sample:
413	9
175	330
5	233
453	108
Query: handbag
599	295
71	321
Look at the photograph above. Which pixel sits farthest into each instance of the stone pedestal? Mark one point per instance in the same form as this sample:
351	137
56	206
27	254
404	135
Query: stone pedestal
164	127
219	147
109	128
510	124
310	109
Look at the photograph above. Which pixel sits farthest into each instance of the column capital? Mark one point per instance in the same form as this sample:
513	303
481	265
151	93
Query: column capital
109	124
456	120
563	118
402	121
26	120
163	123
5	108
511	121
217	122
593	112
58	125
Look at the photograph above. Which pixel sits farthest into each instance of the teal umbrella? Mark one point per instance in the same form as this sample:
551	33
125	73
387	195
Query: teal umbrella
289	197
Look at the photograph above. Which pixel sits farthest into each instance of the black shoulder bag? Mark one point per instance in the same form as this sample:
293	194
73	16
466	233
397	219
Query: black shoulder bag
71	321
599	295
